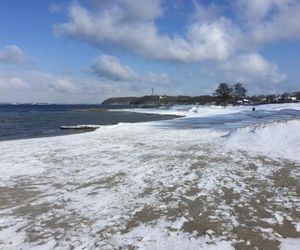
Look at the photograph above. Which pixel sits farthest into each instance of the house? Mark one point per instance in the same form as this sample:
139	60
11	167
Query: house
263	99
277	98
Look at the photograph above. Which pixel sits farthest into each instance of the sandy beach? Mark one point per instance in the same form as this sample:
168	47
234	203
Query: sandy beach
149	186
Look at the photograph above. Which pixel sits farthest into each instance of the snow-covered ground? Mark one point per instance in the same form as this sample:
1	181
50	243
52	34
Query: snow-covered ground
210	110
275	131
218	178
278	139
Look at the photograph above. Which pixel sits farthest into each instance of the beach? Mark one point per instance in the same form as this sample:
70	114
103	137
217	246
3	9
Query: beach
216	178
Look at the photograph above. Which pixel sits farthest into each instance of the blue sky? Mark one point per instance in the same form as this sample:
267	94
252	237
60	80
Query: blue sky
86	51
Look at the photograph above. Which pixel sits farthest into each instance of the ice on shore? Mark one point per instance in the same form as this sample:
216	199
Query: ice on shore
211	110
150	186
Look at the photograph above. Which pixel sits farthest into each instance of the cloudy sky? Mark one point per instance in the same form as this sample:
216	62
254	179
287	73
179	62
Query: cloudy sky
85	51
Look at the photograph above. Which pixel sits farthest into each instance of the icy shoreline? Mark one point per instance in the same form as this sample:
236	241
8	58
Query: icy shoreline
152	186
208	110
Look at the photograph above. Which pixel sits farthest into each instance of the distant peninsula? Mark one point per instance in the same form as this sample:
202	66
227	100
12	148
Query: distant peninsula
157	100
154	100
225	94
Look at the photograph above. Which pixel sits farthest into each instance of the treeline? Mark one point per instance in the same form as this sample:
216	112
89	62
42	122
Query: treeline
237	94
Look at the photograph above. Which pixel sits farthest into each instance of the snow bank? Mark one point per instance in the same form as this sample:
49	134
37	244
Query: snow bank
210	110
187	110
278	139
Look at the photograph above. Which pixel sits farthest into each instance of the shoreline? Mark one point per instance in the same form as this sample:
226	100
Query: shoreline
141	185
82	128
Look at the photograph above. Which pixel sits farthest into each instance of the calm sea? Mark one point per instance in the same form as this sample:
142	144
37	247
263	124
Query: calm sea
27	121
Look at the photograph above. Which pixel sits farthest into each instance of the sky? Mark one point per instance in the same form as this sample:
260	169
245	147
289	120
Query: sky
84	51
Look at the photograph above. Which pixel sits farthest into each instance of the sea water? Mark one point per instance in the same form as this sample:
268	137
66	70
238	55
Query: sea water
28	121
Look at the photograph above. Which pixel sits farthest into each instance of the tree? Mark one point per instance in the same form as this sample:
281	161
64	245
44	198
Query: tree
239	91
271	98
224	92
285	96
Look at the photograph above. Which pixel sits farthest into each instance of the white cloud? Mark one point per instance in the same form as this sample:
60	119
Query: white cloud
13	83
142	9
210	35
251	68
217	40
255	9
19	85
117	25
229	41
63	85
39	81
262	9
156	79
11	54
284	25
206	13
269	21
109	67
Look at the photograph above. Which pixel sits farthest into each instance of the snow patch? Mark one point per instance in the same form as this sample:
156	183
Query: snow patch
210	110
157	237
290	244
279	139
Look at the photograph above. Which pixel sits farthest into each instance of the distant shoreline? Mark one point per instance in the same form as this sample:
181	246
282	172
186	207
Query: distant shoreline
150	101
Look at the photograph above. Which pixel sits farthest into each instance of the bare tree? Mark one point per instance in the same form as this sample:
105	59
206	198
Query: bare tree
239	91
224	93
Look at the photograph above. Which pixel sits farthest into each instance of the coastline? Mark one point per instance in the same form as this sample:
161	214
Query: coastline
144	185
34	121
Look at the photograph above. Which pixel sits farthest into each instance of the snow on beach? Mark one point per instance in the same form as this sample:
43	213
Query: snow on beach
209	110
157	185
280	139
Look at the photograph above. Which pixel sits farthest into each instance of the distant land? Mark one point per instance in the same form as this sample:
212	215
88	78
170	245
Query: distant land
157	100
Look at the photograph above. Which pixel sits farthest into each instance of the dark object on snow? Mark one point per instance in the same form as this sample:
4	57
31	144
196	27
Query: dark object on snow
253	109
